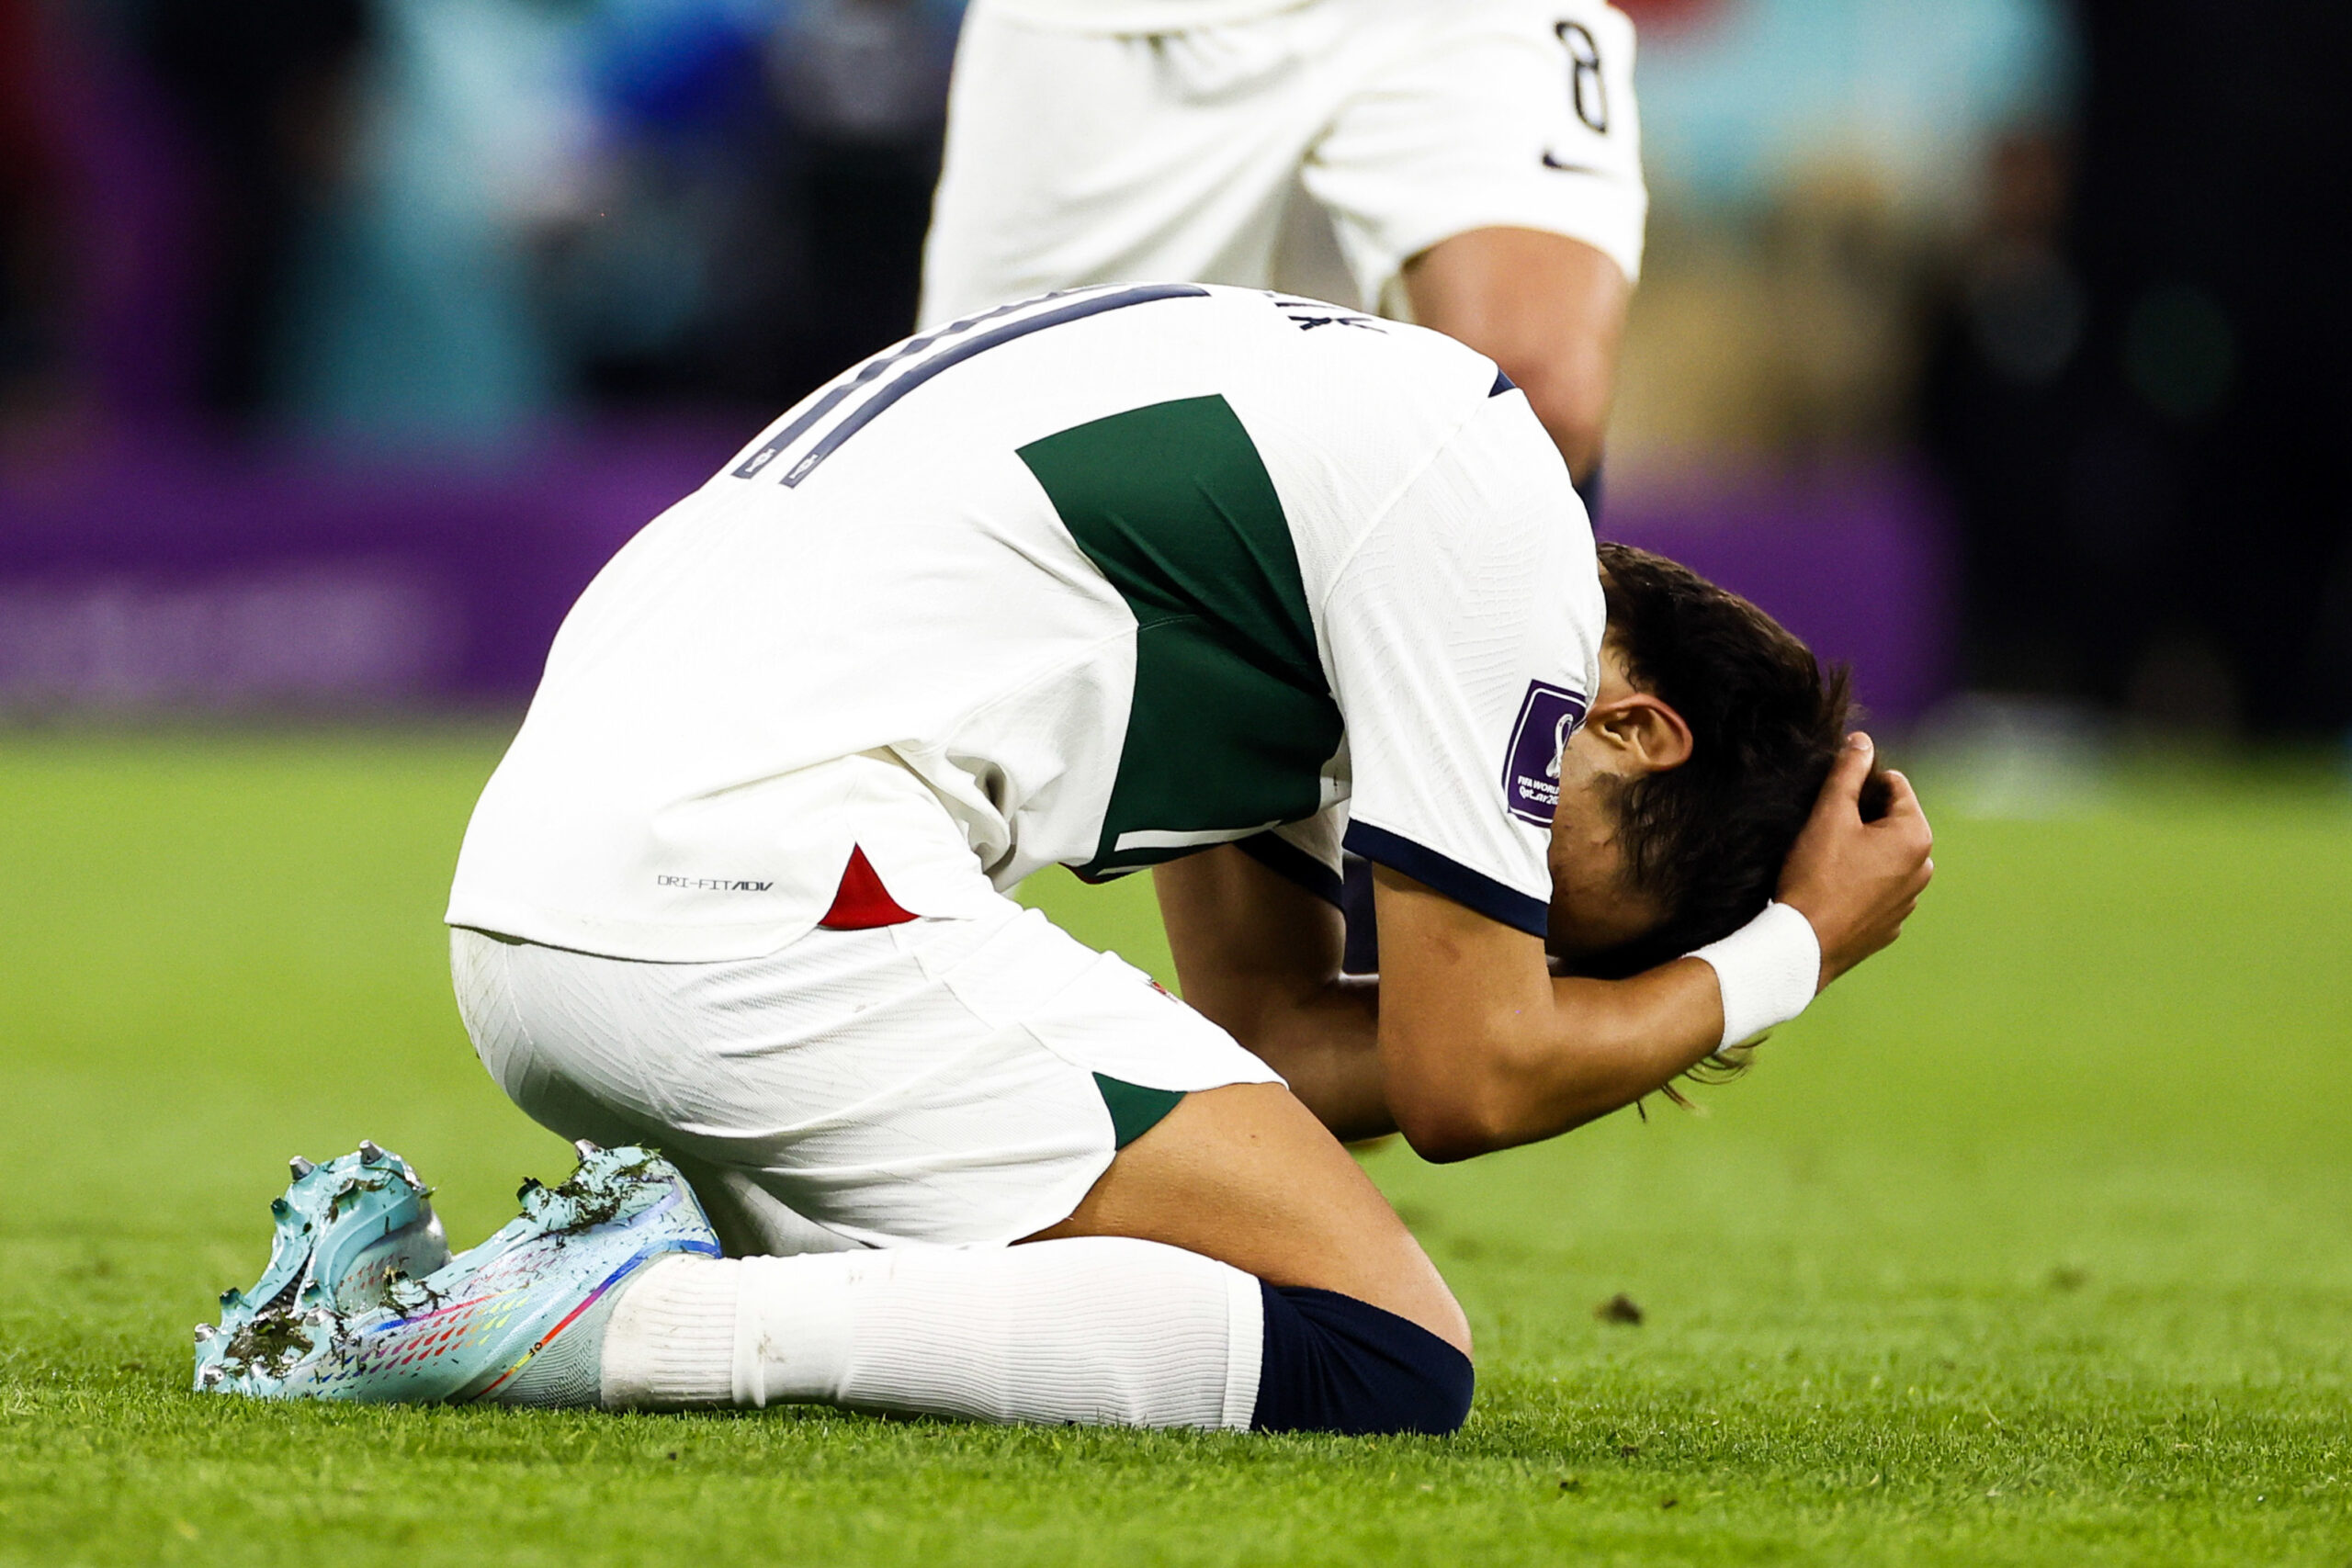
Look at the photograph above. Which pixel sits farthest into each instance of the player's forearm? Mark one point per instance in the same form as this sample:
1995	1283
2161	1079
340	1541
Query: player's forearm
1325	1044
1518	1075
1323	1037
1616	1041
1260	957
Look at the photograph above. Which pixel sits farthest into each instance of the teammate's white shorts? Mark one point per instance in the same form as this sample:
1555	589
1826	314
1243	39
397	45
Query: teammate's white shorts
1076	157
929	1082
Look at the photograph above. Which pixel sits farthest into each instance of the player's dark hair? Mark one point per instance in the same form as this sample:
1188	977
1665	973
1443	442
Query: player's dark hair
1705	840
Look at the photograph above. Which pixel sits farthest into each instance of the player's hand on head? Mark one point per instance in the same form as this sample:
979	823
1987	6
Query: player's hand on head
1855	873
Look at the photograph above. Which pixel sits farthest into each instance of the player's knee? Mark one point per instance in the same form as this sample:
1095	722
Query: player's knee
1332	1364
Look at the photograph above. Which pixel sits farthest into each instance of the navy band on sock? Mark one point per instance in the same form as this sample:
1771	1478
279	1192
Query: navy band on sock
1335	1364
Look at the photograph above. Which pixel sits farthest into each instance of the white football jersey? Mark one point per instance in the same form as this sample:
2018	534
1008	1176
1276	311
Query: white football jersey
1097	579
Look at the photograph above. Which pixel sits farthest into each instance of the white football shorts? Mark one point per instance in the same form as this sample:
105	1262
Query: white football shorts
957	1082
1077	157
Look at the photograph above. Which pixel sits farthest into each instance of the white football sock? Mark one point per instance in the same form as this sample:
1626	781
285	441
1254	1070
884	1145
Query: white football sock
1099	1330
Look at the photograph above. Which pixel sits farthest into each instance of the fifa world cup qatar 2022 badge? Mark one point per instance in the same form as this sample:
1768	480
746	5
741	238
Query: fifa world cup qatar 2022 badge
1532	770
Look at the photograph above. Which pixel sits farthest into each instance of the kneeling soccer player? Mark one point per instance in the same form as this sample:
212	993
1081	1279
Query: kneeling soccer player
1158	575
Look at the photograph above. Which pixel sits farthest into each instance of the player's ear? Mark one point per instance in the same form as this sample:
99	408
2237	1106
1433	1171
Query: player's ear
1643	730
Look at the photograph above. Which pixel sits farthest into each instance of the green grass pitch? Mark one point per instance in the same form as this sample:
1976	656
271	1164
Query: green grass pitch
2033	1244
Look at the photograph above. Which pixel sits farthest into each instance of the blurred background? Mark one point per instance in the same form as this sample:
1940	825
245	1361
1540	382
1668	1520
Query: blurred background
1998	346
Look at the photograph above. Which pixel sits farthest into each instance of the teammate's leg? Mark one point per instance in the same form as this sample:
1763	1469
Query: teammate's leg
1487	167
1549	310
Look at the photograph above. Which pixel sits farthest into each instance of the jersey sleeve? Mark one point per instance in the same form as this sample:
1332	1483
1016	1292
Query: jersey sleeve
1465	637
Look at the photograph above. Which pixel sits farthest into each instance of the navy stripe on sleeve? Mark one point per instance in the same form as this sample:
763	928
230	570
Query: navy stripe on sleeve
1289	862
1471	889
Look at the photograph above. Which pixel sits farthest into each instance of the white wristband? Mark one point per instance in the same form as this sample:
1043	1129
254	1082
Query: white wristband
1769	969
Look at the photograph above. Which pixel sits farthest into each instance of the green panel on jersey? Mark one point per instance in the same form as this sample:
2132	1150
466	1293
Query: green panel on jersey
1134	1109
1232	720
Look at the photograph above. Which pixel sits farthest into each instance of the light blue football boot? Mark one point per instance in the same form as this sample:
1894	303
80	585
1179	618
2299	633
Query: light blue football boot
517	1320
342	1232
